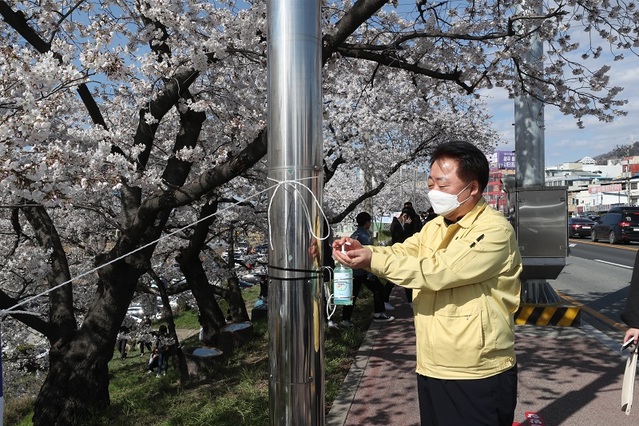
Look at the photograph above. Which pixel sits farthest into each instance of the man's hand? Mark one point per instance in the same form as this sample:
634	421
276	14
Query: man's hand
348	243
355	256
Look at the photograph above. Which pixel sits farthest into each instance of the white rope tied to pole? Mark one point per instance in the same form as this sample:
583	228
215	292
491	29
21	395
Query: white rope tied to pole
293	183
11	309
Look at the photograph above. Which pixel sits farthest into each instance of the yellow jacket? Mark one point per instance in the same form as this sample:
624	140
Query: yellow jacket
467	279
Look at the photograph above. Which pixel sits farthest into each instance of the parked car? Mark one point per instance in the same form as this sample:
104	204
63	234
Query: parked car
238	255
135	310
619	224
261	248
579	227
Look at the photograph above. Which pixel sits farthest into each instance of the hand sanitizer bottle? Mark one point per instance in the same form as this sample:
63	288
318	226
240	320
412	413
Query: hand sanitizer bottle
343	284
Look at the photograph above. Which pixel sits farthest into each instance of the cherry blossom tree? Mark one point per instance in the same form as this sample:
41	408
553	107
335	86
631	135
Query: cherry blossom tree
122	123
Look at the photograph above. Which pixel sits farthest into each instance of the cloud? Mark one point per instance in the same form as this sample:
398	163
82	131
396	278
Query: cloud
564	141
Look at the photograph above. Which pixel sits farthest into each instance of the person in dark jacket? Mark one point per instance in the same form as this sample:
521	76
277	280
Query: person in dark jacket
361	277
428	215
630	313
163	344
122	339
402	227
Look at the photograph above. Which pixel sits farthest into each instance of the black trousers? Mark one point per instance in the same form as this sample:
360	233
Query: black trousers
122	347
388	289
375	286
486	402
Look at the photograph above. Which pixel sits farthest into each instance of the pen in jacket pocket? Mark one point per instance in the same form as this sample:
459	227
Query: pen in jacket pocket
481	237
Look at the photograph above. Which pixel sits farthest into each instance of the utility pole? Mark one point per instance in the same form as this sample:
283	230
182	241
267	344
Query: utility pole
296	335
533	200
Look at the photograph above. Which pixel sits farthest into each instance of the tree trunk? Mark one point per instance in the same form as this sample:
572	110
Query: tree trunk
78	377
211	315
236	301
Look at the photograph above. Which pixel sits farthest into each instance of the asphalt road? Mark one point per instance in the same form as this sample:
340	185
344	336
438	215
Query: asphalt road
597	276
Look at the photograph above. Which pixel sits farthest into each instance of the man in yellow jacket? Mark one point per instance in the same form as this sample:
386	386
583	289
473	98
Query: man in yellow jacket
464	267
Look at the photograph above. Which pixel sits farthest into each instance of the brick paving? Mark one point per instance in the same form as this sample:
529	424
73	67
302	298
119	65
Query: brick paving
567	376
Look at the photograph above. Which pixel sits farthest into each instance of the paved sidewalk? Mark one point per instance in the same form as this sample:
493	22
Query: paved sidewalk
185	333
380	386
567	375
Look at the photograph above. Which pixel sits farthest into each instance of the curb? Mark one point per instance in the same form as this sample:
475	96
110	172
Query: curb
342	403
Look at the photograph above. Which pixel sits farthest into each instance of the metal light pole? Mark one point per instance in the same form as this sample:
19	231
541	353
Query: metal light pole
529	114
542	262
296	383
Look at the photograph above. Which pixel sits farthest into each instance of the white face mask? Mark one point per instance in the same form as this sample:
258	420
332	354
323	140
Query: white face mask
444	203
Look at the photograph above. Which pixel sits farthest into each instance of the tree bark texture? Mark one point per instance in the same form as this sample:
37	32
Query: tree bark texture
78	377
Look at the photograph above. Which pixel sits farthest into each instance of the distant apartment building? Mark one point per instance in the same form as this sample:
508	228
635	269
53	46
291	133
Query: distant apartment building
591	187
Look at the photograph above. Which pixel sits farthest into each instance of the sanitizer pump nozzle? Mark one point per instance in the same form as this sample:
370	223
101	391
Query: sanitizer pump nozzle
343	283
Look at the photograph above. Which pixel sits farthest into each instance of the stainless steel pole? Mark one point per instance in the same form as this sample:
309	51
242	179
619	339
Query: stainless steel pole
529	153
296	383
529	113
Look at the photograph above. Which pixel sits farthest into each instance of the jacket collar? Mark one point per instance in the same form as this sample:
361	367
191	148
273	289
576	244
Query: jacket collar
469	218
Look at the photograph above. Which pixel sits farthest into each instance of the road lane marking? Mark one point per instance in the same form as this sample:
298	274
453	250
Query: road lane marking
613	264
616	246
596	314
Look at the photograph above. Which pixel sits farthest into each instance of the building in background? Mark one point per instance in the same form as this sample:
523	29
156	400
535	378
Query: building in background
592	188
502	164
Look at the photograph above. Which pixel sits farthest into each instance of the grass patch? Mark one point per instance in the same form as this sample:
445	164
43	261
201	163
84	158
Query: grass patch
187	319
235	391
18	411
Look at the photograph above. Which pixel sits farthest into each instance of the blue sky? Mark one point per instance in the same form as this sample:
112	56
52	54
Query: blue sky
564	141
